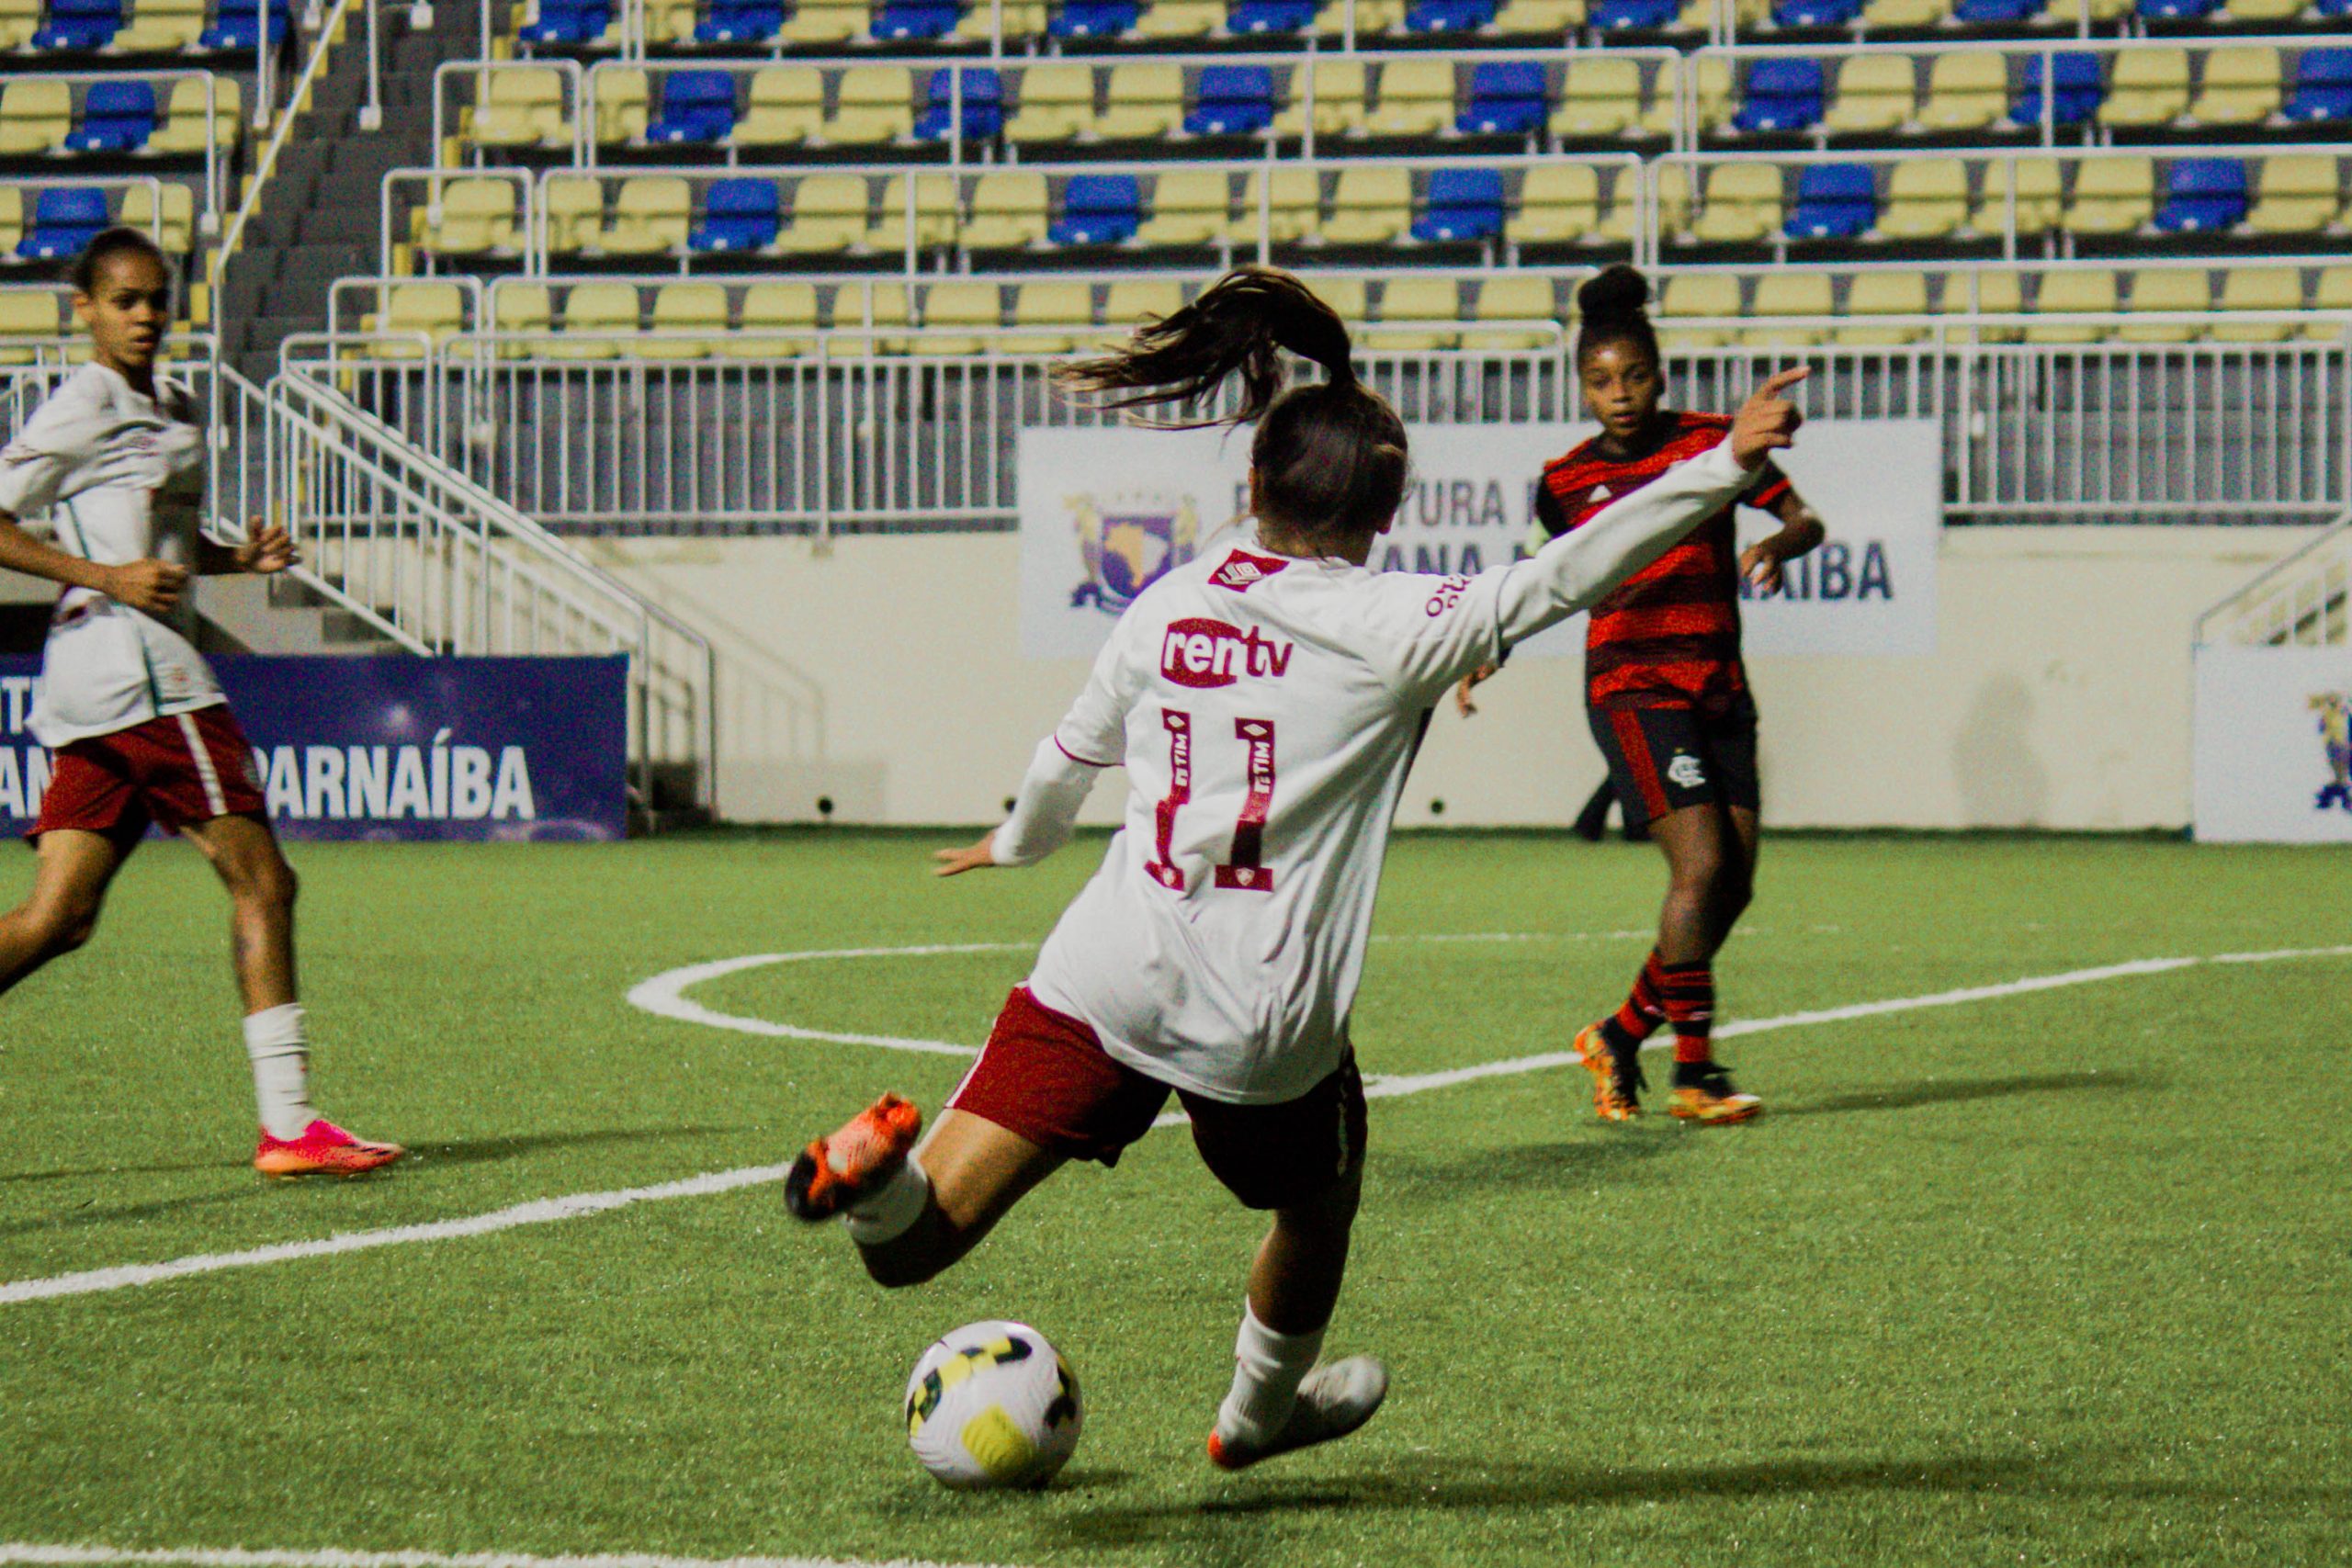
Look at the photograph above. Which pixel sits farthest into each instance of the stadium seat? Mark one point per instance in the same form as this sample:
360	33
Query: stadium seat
1780	95
1417	314
1888	15
117	116
621	98
829	215
79	26
1994	13
1129	304
1426	16
1835	201
27	316
2176	10
651	218
2112	196
977	307
1056	104
1803	14
913	21
983	106
1369	206
1098	209
786	107
1787	293
773	316
516	107
737	215
436	310
1188	207
1253	18
2332	293
64	220
1927	199
1021	19
1965	91
2037	196
1094	18
477	218
1347	297
1989	293
1460	206
670	22
1339	99
2299	194
697	307
2185	290
1635	15
877	106
563	23
521	308
1145	103
1372	19
697	109
1507	98
186	130
1712	88
176	231
2265	12
1884	294
2149	87
36	117
1234	100
1673	195
1559	204
1416	99
1550	20
162	27
1876	93
2277	289
237	25
573	206
12	221
871	306
1008	209
935	217
2323	86
2067	14
1179	19
2073	292
1701	295
1601	97
1064	305
2238	86
1293	202
1513	298
599	319
735	22
2203	196
1742	204
824	22
2075	90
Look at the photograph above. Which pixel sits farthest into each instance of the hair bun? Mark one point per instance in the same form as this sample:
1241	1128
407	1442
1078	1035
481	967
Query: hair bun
1616	291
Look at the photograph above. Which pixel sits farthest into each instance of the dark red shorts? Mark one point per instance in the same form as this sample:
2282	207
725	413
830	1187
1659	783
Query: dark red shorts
175	772
1045	1076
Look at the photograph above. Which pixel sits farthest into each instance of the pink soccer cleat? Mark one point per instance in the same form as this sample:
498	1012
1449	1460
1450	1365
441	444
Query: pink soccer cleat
323	1149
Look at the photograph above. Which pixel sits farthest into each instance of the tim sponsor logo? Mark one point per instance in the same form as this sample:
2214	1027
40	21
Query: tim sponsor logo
1199	653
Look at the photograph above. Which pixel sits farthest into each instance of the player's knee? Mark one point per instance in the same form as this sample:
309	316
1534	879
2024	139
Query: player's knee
263	879
61	926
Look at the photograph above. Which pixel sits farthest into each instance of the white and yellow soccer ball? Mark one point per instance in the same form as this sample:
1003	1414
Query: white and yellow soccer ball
993	1405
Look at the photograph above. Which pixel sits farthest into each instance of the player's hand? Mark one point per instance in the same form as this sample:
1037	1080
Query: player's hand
267	549
1767	421
152	586
1761	564
971	857
1461	693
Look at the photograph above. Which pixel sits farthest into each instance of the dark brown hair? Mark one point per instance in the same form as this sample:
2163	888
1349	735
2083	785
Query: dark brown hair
1611	305
109	244
1329	459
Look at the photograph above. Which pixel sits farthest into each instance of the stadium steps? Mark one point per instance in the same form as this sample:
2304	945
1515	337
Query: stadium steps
260	614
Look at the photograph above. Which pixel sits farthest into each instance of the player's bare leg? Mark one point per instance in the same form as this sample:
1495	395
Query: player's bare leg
1711	870
71	869
296	1140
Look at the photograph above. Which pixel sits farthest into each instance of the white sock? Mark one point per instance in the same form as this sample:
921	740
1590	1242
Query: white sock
890	1211
281	1058
1265	1380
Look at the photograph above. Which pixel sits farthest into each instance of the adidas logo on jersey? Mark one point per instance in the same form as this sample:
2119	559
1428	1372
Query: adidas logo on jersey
1199	653
1241	570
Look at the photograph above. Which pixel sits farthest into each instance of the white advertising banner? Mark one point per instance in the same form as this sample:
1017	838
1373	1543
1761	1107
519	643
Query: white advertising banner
2274	745
1105	513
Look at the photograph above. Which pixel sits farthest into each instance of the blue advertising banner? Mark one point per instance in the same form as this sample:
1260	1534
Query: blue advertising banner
391	747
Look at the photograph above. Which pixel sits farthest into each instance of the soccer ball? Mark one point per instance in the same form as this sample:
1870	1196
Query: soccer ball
993	1405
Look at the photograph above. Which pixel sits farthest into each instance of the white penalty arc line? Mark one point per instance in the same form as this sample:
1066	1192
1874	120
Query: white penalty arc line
547	1210
79	1556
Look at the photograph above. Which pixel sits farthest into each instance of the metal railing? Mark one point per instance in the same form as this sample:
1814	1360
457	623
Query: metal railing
297	100
2303	599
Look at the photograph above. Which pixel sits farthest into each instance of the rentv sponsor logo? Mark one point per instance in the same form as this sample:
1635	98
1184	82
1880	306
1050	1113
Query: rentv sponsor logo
1201	652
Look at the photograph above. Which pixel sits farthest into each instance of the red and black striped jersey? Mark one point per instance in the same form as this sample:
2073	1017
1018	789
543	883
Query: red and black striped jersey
1670	636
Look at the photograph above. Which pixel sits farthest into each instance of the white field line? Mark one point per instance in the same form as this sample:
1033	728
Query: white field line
579	1204
41	1556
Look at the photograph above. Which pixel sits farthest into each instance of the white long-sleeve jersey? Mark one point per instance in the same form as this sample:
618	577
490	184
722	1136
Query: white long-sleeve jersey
1267	709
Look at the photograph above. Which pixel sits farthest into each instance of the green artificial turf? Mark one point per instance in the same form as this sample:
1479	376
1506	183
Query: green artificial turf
2056	1277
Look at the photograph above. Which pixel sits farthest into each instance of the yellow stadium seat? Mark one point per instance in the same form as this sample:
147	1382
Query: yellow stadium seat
698	307
1712	84
2296	194
1145	104
35	115
1338	100
1884	294
936	219
1374	18
1009	212
1786	294
27	315
1167	19
620	95
436	310
2071	292
2259	289
1989	293
12	218
829	215
2334	293
19	19
1514	299
2176	289
598	313
671	22
877	106
1369	206
1559	204
776	317
1967	90
1601	97
1023	20
2037	196
2149	86
1927	199
1875	93
162	27
573	213
652	215
2265	11
825	21
2069	13
1417	314
177	228
1884	13
2238	86
1129	304
1540	18
786	107
1189	207
1346	296
1054	103
1689	295
1415	98
1059	305
1742	204
2112	196
521	308
1673	204
478	218
875	305
978	307
1294	207
519	106
186	130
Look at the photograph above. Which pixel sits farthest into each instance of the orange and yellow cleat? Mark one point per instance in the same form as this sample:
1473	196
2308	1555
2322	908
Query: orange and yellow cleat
835	1172
323	1149
1705	1095
1616	1080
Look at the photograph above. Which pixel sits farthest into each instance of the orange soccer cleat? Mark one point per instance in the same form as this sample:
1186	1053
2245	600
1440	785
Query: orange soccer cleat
1617	1080
835	1172
323	1149
1703	1093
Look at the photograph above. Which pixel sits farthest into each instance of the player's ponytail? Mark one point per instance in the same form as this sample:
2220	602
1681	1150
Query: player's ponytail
1611	305
1330	459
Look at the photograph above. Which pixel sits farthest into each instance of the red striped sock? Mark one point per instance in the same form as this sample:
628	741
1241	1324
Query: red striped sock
1645	1008
1689	992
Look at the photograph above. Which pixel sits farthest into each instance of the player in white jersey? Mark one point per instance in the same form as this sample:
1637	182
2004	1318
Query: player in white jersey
1266	700
141	732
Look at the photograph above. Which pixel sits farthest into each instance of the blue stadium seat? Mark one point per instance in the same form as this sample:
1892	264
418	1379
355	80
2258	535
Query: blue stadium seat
697	108
739	215
2334	8
569	22
1098	209
1835	201
1994	13
237	25
2322	85
1507	98
1249	17
1464	204
1632	15
1234	100
983	107
726	22
80	25
2075	90
915	21
1781	96
2176	10
2203	196
1448	16
1094	18
1816	13
117	116
64	222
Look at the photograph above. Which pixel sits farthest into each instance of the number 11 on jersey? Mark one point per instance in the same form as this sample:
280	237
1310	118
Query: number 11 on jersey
1246	869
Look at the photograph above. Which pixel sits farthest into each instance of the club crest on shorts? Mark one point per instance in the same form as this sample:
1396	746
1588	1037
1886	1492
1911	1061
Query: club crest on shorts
1685	771
1128	542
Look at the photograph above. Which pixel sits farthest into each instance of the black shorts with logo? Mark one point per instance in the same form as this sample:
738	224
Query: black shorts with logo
1664	759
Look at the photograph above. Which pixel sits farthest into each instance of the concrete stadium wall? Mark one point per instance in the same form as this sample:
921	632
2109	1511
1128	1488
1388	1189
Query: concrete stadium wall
883	672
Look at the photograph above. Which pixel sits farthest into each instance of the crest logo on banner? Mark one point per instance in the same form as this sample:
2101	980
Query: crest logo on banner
1129	542
2334	710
